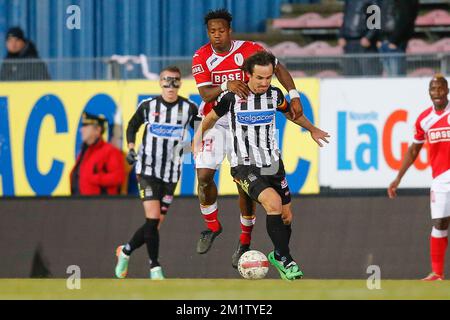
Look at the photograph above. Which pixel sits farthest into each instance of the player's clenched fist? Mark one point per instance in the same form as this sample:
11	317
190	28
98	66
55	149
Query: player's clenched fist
392	189
131	157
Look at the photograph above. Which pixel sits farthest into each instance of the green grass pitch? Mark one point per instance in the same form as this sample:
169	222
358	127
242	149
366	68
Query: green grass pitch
221	289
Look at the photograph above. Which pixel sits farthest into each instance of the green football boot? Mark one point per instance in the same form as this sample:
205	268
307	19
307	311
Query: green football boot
156	273
290	272
122	263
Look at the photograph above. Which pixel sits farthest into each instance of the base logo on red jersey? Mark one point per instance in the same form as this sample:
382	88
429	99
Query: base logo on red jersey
219	77
439	135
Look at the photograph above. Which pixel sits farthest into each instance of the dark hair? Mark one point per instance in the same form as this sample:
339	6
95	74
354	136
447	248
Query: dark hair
261	58
219	14
171	69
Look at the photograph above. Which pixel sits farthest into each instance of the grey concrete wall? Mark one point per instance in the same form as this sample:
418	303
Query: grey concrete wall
332	237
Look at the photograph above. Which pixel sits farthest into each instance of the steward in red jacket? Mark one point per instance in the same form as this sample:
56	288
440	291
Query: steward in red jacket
100	167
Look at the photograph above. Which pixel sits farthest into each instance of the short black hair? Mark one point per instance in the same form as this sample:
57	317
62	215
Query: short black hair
219	14
261	58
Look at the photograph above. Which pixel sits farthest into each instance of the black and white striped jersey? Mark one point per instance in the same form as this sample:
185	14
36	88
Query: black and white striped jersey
161	152
252	125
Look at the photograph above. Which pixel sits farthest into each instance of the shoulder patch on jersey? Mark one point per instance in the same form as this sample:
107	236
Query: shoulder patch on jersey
239	59
197	69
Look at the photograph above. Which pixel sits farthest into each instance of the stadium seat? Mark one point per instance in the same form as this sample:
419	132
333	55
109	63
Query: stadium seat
333	21
293	23
309	20
327	74
422	72
322	48
317	48
442	45
421	46
282	48
434	18
312	20
298	74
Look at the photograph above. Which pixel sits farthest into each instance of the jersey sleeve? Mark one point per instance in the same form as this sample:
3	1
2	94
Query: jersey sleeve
193	114
282	104
419	133
200	71
224	102
257	47
136	121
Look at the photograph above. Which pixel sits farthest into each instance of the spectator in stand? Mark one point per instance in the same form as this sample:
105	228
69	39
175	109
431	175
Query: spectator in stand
22	61
397	27
100	166
356	38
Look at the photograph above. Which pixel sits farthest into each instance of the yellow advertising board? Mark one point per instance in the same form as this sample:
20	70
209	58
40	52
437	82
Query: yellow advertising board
39	133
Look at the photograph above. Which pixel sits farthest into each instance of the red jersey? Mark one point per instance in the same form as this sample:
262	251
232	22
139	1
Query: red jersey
212	68
434	127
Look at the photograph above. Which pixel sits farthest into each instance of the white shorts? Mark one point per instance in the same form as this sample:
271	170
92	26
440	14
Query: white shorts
440	204
216	145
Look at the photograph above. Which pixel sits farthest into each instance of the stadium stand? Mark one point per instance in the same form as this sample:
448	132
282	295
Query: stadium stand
305	37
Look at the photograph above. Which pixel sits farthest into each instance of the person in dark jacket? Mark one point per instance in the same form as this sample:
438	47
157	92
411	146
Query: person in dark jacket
100	167
22	61
356	38
397	27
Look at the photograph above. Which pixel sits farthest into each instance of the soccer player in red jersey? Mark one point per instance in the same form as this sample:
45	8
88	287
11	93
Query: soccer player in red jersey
433	126
216	67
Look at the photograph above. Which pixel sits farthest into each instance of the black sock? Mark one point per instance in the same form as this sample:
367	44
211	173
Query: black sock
151	237
136	241
279	235
289	232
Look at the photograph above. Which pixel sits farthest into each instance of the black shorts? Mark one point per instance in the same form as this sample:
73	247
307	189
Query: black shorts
254	180
151	188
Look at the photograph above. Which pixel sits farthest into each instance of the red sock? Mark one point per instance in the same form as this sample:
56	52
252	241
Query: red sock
437	251
247	223
210	216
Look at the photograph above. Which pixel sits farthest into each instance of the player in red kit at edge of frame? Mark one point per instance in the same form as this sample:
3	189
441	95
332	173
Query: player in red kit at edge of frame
216	67
433	126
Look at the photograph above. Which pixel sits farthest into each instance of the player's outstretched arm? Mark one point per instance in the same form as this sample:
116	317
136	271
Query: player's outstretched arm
408	160
317	134
287	82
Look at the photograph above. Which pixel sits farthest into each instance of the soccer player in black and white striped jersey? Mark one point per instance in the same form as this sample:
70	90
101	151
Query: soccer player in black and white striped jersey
256	163
159	163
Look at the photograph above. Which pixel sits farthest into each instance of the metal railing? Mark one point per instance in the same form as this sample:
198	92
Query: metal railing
143	67
369	65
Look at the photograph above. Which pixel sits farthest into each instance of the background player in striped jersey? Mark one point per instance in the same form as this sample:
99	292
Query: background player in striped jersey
433	126
159	163
216	67
256	163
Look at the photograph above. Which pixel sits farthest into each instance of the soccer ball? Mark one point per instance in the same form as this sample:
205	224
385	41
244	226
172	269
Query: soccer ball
253	265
